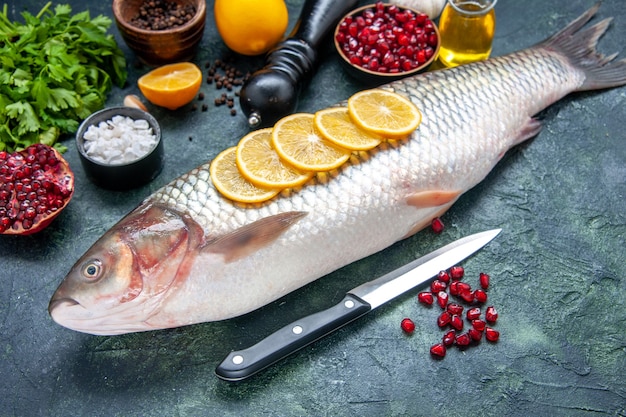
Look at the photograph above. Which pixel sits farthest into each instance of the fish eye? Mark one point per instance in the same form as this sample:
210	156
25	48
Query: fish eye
92	269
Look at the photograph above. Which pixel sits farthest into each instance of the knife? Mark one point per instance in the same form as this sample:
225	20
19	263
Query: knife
239	365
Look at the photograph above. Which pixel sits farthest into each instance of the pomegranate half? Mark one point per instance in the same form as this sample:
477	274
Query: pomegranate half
36	184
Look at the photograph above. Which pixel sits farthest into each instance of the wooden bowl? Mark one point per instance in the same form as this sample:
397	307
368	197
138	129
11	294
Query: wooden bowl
371	77
158	47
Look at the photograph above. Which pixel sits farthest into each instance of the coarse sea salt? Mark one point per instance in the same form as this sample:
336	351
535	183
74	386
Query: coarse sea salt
118	141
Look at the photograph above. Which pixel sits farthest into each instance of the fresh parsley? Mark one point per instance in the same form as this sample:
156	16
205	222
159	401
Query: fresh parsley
55	70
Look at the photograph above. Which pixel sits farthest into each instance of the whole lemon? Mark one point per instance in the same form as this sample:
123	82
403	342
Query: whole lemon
251	27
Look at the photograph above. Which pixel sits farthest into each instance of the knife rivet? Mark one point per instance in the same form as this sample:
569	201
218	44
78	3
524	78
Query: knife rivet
297	329
237	359
349	304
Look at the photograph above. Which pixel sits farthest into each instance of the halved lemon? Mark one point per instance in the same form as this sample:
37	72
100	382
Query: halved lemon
296	139
336	125
229	181
384	112
171	86
262	166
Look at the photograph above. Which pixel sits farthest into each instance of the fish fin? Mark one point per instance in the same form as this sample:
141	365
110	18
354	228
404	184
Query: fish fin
251	237
427	220
579	47
432	198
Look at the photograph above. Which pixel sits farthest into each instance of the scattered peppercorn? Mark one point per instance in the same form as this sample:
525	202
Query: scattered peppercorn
162	15
225	76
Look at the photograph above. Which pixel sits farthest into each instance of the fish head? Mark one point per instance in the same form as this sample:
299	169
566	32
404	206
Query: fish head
118	283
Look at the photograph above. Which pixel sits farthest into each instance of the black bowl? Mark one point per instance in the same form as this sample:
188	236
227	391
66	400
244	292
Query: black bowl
121	176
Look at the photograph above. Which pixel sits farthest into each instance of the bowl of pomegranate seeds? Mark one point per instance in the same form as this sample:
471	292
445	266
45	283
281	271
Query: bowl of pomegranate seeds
380	42
120	147
161	31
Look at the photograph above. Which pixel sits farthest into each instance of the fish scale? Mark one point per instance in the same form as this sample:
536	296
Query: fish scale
188	255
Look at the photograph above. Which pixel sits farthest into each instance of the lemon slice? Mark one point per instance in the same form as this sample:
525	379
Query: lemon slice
297	141
260	164
336	125
384	112
171	86
229	181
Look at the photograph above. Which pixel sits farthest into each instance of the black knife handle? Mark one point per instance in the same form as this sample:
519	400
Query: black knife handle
241	364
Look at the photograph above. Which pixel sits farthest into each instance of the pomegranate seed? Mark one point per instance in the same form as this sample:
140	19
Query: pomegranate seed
437	286
444	319
438	350
457	272
475	334
454	288
467	296
448	338
483	279
437	225
456	322
478	325
473	313
443	276
425	297
463	287
491	334
442	299
480	296
491	315
407	325
454	308
463	340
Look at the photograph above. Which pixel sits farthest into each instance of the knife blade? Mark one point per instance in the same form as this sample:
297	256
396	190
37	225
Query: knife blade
239	365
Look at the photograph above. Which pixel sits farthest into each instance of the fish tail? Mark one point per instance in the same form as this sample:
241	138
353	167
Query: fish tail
579	47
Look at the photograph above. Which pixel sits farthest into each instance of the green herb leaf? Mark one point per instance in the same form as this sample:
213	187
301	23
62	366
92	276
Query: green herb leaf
56	69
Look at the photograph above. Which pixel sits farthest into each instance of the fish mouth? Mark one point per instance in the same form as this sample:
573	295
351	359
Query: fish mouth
71	314
61	310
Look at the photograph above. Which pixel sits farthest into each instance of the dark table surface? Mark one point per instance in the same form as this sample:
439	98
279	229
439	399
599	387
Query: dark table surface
558	272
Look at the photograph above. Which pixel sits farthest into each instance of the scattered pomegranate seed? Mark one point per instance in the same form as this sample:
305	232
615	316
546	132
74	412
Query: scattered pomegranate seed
454	288
407	325
438	350
437	286
479	325
491	334
443	276
456	322
453	312
442	299
449	337
457	272
463	340
483	279
437	225
475	334
467	296
473	313
491	315
454	308
480	296
425	297
444	319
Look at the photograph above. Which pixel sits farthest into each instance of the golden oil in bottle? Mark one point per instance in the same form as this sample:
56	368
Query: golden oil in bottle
466	29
